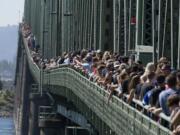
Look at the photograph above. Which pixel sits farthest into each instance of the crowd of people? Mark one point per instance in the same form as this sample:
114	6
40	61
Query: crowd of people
155	85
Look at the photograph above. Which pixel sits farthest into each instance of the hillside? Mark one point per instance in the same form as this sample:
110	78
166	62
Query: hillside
6	103
8	49
8	42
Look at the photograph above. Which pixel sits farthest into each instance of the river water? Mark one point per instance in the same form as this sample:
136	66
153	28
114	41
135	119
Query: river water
7	126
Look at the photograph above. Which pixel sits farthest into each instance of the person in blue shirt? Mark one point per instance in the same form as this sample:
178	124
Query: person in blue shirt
151	97
171	89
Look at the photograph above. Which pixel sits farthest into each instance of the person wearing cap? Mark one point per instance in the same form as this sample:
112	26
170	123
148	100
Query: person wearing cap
67	59
116	65
99	55
165	69
163	60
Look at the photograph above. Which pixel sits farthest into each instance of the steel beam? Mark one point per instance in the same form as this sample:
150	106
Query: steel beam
131	24
178	65
139	23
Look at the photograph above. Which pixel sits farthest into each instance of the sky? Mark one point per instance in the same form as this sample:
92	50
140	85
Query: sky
11	12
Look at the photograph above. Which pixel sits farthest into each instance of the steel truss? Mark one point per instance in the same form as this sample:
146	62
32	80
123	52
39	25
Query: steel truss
118	25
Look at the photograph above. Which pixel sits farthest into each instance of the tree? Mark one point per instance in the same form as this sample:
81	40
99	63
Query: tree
1	85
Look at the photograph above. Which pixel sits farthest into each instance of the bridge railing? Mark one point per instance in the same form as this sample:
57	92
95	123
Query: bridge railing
119	116
32	65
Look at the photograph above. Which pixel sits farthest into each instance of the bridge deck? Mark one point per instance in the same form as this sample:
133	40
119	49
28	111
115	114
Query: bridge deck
119	116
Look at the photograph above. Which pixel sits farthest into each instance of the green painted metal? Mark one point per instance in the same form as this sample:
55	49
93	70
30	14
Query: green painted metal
118	116
156	25
179	41
85	27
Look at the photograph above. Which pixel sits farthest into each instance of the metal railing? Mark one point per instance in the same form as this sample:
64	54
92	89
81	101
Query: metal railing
118	115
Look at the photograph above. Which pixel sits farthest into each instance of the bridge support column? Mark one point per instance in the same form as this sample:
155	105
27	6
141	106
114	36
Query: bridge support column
35	101
51	127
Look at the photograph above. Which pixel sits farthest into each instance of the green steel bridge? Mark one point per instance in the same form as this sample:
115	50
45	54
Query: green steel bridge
149	29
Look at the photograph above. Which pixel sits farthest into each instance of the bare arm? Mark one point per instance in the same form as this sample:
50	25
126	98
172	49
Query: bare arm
131	96
157	111
176	119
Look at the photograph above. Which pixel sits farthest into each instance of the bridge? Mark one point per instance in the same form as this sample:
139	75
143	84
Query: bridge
63	100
